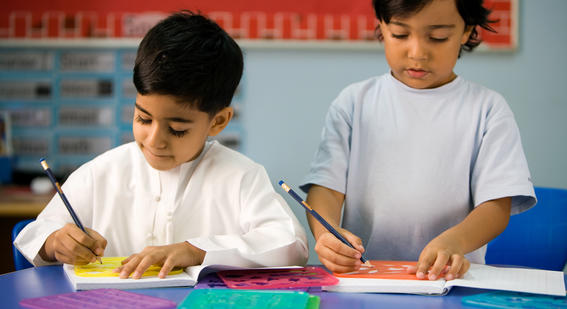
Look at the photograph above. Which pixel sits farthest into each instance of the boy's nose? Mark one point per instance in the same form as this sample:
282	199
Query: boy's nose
417	50
156	138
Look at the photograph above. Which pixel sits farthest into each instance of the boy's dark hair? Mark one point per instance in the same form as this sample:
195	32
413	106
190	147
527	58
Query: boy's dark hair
472	12
190	57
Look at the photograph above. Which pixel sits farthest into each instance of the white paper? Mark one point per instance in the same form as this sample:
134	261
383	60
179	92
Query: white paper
360	285
513	279
478	276
89	283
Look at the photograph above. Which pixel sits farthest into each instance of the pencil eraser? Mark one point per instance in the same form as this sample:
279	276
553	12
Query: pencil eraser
280	183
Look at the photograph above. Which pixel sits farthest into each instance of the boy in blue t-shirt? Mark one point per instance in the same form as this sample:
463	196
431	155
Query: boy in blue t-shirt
428	165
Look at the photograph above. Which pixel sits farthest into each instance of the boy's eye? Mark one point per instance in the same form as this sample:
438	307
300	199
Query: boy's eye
177	133
399	36
142	120
438	39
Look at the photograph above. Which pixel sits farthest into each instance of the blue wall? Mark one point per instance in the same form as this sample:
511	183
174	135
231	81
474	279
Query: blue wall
288	93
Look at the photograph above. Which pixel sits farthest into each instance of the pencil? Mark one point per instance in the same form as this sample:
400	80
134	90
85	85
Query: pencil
64	198
315	214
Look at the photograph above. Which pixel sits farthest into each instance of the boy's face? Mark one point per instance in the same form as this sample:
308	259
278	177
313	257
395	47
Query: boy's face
170	133
422	49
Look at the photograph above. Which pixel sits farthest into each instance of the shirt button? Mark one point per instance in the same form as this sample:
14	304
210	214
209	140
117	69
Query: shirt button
158	198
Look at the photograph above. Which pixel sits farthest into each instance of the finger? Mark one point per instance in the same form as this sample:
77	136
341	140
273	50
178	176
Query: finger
166	268
456	264
330	241
411	269
121	267
146	262
130	266
99	242
86	241
354	240
126	260
339	268
425	261
464	268
338	259
438	265
71	251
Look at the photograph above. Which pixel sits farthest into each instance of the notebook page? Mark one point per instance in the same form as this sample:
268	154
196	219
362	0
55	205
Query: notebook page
365	285
89	283
512	279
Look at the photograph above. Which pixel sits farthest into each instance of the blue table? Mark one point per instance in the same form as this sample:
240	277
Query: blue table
49	280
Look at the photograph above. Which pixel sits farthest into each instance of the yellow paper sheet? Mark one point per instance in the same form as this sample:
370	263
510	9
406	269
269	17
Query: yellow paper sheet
109	264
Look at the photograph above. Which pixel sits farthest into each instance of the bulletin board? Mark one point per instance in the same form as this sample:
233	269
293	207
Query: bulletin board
268	22
69	104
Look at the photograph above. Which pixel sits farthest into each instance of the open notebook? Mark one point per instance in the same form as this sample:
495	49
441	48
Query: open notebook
96	276
392	277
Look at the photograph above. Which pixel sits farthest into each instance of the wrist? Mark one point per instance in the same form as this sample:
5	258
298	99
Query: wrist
455	240
197	254
46	250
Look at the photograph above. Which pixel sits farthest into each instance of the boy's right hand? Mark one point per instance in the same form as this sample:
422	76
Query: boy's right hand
337	256
71	245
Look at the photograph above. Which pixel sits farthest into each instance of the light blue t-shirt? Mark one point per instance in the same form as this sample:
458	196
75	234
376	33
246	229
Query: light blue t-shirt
414	162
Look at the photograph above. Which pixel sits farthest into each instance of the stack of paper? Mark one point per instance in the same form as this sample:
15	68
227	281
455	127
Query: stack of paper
392	277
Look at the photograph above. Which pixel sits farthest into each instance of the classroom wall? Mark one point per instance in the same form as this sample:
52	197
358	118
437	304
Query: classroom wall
288	93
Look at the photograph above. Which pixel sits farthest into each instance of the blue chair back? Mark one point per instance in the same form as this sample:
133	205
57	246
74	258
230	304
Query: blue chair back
536	238
20	261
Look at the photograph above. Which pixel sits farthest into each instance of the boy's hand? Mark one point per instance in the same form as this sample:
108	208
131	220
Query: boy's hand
181	254
337	256
71	245
441	257
445	253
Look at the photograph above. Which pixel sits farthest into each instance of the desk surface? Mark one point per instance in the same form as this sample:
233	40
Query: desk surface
49	280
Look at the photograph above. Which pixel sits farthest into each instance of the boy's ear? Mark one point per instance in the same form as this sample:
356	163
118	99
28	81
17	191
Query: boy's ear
221	120
467	34
378	31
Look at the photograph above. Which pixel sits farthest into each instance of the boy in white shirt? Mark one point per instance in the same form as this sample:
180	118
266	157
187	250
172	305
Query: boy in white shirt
173	198
429	166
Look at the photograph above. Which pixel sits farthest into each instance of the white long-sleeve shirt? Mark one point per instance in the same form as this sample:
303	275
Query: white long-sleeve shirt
221	202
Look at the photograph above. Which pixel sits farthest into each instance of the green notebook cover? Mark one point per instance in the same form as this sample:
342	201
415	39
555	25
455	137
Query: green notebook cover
243	299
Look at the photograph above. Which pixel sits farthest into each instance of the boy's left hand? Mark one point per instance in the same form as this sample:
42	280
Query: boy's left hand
181	254
444	255
441	257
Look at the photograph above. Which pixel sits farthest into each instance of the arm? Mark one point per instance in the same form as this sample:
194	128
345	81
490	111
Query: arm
485	222
53	238
335	255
